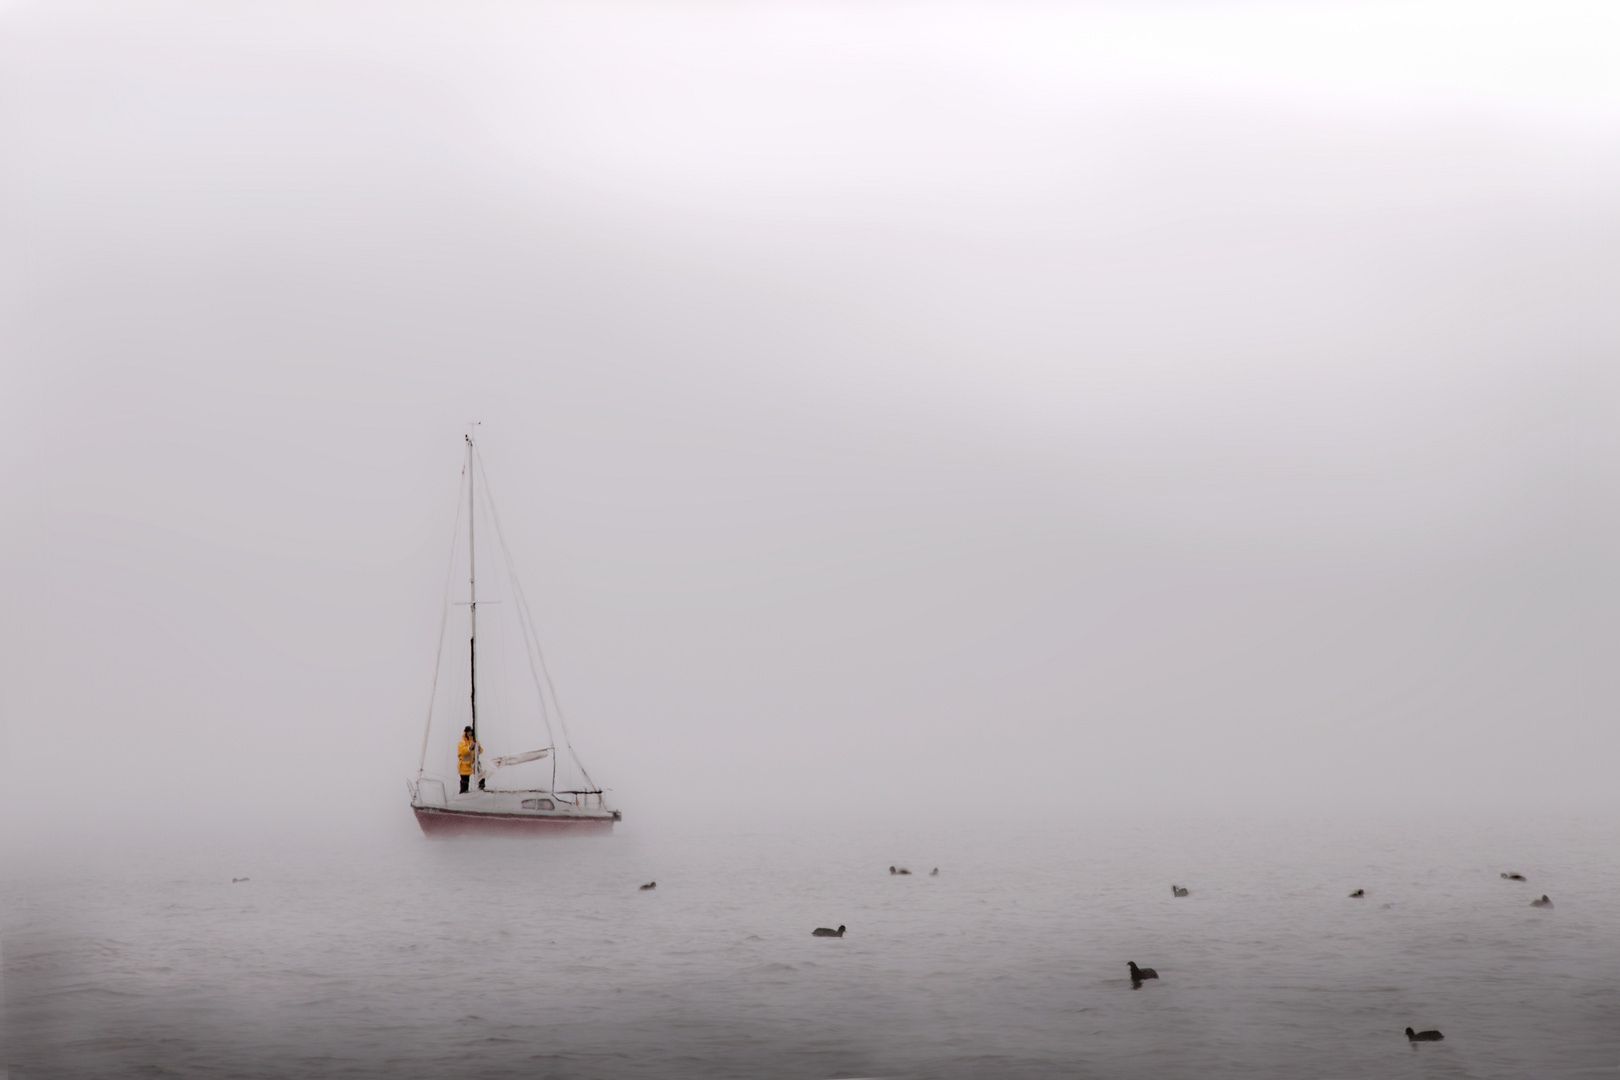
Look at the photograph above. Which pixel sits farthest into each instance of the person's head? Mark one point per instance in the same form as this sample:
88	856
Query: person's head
467	731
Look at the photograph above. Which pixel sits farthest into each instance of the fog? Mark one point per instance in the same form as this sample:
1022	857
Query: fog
931	410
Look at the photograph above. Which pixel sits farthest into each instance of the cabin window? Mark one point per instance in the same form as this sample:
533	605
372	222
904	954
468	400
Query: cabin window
539	804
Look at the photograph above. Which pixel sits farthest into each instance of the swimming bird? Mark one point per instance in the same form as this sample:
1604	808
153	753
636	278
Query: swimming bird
1543	902
236	880
1423	1036
822	931
934	872
1138	974
1177	890
649	885
1358	894
1513	877
892	870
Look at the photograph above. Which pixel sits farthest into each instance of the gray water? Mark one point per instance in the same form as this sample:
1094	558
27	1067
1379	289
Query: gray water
401	957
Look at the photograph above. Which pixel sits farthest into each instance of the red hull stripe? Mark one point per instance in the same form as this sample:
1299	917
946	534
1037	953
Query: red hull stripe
461	822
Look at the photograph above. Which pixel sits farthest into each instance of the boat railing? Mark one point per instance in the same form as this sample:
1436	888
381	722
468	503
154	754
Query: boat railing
428	792
585	797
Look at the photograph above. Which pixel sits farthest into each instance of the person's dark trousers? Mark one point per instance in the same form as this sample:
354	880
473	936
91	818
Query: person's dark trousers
464	780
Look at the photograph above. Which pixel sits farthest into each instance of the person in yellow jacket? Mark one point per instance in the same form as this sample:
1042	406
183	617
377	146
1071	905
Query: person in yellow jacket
467	752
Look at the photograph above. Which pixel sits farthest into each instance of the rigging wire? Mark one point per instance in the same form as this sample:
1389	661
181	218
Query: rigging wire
498	710
531	635
444	620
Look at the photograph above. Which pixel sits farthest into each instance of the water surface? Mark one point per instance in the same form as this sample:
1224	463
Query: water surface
403	957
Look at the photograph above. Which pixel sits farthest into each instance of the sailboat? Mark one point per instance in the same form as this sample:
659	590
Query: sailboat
486	807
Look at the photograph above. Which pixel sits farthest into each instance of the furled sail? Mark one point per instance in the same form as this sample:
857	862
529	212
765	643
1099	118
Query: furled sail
518	759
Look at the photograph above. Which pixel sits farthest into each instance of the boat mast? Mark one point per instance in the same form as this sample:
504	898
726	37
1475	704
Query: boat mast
472	582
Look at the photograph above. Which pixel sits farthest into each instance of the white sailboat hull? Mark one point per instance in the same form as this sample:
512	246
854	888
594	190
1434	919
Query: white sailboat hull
508	812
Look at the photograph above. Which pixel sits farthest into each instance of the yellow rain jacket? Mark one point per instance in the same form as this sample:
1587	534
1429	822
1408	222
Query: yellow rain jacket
466	751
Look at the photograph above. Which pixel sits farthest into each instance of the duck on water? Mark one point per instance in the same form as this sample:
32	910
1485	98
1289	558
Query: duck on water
822	931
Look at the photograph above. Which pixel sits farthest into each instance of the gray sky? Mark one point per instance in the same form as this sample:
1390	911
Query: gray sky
920	408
